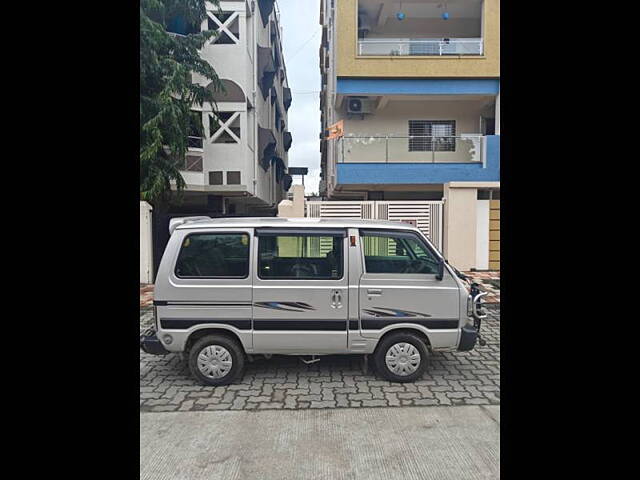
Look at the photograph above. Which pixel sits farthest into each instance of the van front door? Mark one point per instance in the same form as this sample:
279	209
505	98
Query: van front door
300	291
399	287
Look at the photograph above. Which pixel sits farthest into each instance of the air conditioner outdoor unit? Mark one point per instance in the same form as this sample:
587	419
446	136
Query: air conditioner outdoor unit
360	105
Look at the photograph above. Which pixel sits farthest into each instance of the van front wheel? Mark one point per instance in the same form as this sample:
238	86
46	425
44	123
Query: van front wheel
401	357
216	360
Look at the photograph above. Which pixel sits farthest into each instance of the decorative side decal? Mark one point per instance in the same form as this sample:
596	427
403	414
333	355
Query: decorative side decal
288	306
379	312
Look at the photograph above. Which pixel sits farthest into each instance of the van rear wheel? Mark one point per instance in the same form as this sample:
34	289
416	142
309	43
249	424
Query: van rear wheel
401	357
216	360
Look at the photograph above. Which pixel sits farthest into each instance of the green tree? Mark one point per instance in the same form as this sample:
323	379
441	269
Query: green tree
167	93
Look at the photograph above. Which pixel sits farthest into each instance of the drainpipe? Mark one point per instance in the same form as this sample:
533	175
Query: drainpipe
255	96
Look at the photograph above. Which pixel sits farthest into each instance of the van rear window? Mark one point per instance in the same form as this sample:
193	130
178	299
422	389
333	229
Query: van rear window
214	255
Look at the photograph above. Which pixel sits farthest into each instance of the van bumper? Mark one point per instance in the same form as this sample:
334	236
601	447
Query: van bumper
468	338
149	343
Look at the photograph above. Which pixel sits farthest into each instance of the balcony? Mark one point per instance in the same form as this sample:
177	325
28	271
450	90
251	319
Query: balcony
428	28
424	47
413	149
387	161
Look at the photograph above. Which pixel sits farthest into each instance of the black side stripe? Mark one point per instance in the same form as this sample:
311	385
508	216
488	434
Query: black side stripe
163	303
304	325
378	323
301	325
185	323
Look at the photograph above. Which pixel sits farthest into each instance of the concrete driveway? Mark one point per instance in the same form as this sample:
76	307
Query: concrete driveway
442	442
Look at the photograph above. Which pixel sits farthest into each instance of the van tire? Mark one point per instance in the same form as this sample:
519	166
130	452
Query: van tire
231	346
379	356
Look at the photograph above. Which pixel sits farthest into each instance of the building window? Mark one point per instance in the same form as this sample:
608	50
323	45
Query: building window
233	178
193	163
224	127
215	178
312	257
227	25
214	255
432	135
195	139
386	252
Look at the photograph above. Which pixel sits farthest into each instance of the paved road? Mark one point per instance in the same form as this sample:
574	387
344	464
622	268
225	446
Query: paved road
460	378
457	443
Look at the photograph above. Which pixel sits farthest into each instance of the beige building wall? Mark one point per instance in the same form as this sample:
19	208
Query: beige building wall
460	222
293	208
394	118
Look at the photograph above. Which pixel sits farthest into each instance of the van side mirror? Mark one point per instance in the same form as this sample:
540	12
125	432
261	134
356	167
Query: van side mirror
440	274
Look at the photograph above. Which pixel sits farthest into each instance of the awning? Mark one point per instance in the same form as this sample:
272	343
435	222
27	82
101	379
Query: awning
286	97
280	168
266	147
287	141
266	69
286	182
266	7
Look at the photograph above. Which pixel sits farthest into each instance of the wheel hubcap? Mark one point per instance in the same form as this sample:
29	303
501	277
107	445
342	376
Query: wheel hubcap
214	361
403	359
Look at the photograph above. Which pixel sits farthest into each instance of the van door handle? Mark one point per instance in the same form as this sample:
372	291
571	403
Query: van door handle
374	292
336	299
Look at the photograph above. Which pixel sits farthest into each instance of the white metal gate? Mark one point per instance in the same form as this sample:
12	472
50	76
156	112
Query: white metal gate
425	214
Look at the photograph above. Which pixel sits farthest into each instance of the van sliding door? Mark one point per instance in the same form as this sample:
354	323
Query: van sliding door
300	301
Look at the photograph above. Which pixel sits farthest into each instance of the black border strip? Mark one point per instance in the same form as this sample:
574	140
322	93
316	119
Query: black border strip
300	325
301	231
186	323
164	303
433	324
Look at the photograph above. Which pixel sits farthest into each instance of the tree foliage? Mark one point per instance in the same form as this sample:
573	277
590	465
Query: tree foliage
167	92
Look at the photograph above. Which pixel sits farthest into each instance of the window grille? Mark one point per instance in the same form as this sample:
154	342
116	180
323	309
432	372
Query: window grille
432	135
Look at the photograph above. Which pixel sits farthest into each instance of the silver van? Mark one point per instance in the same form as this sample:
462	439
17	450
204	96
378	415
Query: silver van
231	288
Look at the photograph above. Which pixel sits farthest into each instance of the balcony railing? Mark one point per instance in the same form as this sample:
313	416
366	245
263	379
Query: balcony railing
412	149
408	46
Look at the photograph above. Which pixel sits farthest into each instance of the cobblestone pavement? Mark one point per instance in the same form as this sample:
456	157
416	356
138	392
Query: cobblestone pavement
284	382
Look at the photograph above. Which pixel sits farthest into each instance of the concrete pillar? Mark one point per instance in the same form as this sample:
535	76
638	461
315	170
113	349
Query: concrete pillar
293	208
146	243
460	222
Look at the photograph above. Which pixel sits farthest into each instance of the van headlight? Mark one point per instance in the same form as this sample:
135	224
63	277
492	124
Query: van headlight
469	306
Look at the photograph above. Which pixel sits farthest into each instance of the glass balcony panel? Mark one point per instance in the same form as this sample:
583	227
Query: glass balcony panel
414	149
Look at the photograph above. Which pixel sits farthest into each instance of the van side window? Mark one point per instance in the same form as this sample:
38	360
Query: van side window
397	253
214	255
310	257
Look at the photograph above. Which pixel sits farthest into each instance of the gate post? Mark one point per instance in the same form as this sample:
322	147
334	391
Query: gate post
146	243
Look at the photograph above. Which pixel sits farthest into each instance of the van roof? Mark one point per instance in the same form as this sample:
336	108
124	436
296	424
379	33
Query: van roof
250	222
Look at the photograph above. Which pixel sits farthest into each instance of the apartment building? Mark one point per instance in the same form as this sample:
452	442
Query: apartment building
237	163
416	85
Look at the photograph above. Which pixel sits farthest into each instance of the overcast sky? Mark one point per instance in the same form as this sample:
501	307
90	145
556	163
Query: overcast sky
301	37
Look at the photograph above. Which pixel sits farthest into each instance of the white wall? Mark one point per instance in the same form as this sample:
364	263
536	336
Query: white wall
236	62
482	235
146	244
